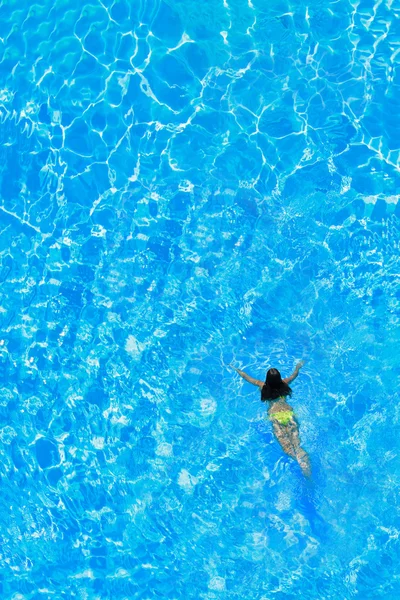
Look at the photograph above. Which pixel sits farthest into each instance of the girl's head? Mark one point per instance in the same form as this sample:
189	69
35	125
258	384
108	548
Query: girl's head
274	386
273	378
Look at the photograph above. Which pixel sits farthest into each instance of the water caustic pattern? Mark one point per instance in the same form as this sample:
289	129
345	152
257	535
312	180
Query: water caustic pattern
183	185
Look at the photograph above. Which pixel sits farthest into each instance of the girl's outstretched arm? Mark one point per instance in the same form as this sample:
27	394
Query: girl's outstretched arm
295	372
256	382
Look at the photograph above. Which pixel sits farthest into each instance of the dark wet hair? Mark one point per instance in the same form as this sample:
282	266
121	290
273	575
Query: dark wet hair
274	386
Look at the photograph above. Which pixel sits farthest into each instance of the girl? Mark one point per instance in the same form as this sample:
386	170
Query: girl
274	390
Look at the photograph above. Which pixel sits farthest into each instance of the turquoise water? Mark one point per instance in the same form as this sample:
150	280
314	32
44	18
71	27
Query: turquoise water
184	185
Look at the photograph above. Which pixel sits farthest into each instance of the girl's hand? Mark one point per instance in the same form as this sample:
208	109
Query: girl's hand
299	365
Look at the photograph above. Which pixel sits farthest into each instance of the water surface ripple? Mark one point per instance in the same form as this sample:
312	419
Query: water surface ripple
184	185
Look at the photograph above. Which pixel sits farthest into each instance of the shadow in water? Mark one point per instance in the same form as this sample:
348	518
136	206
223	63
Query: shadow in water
309	501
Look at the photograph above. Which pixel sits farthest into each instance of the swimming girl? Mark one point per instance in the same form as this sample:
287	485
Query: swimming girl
286	429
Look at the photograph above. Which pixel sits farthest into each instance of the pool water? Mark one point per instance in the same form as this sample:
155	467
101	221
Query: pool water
186	185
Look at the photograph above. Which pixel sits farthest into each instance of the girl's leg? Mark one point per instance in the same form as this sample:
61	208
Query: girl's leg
304	461
289	439
282	435
301	455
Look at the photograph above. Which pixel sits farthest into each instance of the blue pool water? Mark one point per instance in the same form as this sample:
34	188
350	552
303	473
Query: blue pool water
184	185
